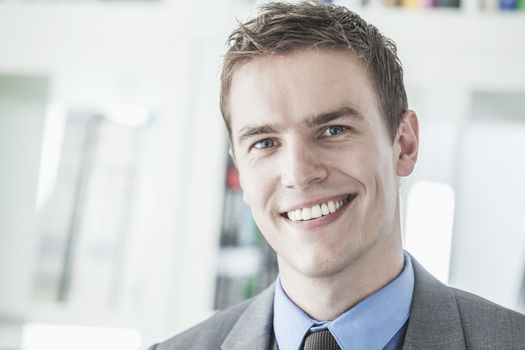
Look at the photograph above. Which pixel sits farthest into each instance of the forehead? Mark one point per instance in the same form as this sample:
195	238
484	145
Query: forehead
288	88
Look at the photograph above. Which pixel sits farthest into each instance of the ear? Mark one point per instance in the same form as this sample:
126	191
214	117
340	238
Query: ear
407	142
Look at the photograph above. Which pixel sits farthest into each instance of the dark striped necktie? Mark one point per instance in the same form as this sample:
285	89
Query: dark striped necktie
321	340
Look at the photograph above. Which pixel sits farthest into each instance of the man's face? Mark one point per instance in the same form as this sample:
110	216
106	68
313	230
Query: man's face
316	164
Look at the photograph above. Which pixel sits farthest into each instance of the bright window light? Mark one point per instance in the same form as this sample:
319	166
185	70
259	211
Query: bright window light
64	337
51	151
131	115
429	225
239	263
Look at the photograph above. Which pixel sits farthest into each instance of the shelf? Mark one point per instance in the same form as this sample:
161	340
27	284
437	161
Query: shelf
97	36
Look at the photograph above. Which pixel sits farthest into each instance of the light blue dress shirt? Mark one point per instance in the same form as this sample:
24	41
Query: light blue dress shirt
378	322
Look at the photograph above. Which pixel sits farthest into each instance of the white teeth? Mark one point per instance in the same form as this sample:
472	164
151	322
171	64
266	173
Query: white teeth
307	213
324	209
314	212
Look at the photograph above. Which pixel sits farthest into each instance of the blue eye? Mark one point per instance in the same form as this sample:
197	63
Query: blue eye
334	130
266	143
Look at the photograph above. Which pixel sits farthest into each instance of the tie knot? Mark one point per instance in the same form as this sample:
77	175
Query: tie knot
321	340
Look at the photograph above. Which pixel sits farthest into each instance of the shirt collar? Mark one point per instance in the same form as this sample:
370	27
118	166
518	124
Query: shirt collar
290	322
371	324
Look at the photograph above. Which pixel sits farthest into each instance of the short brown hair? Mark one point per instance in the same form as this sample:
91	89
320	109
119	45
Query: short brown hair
281	28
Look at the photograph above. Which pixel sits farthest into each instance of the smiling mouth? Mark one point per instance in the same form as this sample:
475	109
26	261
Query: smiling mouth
319	210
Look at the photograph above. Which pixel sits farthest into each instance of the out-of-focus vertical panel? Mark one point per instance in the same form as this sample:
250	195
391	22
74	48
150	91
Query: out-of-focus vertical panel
22	111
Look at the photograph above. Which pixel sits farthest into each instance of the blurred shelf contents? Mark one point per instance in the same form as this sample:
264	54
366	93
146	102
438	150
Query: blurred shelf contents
481	5
382	6
246	263
502	5
421	4
412	3
84	231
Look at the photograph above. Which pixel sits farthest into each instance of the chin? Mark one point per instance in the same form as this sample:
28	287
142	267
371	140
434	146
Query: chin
319	265
322	271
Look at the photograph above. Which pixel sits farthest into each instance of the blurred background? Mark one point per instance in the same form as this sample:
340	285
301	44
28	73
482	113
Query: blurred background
121	217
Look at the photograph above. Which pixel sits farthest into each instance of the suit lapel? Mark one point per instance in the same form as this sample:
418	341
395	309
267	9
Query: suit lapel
434	321
254	328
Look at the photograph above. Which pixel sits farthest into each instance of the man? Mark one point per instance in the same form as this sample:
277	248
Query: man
320	131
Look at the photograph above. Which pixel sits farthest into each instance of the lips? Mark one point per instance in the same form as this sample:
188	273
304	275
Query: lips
318	210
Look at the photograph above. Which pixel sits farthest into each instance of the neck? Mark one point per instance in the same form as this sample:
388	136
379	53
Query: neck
326	297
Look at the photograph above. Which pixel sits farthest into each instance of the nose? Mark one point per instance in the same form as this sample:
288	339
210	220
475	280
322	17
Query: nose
302	165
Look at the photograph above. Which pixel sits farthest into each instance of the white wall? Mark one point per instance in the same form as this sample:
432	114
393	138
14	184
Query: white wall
489	242
22	110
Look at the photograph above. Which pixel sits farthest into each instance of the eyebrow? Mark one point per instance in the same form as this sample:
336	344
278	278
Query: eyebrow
317	120
249	131
324	118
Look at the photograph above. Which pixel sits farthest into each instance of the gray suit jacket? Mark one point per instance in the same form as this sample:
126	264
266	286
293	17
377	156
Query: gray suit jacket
440	318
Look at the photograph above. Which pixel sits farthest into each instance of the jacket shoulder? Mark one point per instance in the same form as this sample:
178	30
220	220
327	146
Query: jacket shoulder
488	325
208	334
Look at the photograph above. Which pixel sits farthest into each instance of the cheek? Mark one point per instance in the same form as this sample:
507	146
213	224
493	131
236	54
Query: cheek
254	188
